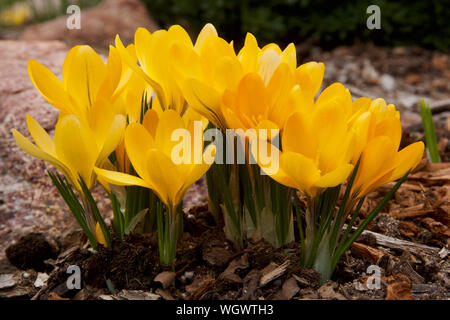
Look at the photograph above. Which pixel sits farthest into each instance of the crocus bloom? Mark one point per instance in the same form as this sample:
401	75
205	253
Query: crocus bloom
76	148
154	53
218	71
86	80
378	128
317	146
149	147
256	104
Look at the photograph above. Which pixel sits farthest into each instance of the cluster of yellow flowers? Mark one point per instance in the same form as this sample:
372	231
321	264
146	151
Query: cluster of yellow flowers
322	139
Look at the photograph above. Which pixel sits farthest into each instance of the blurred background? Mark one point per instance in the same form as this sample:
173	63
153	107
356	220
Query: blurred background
406	59
323	22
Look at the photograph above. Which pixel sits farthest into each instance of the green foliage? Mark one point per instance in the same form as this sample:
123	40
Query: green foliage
323	238
430	133
329	23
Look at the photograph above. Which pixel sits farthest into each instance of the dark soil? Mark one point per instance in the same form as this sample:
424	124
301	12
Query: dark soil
31	251
208	267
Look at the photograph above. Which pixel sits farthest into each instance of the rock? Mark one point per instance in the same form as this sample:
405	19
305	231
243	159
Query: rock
99	25
387	82
28	201
189	275
408	100
369	73
7	281
40	280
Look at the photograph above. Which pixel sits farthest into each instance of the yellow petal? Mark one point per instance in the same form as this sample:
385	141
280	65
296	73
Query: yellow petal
114	137
177	34
83	74
99	235
228	73
150	122
137	142
299	136
391	127
76	147
335	177
289	56
249	54
215	48
204	99
133	65
196	173
301	169
40	136
376	161
113	75
34	151
267	64
207	31
165	176
252	98
49	86
309	76
407	158
280	84
121	179
168	123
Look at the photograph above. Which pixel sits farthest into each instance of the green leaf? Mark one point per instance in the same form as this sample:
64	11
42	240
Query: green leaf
65	190
96	213
139	218
118	221
367	220
430	133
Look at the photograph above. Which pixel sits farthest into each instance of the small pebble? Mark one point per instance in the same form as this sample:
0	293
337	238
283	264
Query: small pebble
26	275
41	279
387	82
189	275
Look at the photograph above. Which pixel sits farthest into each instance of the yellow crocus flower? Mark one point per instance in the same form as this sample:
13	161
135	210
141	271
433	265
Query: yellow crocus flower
155	53
149	147
86	80
217	71
317	146
256	104
76	147
378	130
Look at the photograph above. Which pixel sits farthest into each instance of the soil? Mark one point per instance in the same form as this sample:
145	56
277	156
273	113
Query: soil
31	251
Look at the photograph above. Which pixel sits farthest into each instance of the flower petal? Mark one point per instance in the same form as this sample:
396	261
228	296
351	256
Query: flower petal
49	86
121	179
